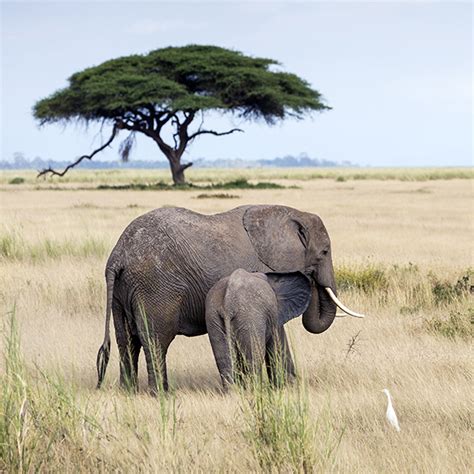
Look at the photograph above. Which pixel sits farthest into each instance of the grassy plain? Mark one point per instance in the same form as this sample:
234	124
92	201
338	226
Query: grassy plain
92	179
402	247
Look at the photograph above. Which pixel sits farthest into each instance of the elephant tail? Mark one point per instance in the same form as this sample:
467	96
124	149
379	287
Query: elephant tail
104	351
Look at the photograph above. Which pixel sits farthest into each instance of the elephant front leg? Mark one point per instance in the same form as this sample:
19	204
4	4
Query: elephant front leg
278	359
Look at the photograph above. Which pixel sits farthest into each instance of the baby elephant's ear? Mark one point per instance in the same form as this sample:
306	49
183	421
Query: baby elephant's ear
293	292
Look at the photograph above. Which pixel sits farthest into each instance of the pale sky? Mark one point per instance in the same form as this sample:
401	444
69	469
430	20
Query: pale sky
398	75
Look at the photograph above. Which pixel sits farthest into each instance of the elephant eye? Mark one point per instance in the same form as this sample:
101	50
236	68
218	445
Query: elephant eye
325	252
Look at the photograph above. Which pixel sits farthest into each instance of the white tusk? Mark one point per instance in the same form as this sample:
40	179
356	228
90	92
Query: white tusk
341	315
344	308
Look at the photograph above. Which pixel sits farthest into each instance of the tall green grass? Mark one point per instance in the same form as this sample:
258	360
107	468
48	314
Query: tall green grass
415	291
42	422
166	399
284	434
14	247
368	279
48	425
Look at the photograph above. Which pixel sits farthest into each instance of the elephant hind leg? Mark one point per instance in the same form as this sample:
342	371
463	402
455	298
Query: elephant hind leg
129	364
129	349
155	336
155	355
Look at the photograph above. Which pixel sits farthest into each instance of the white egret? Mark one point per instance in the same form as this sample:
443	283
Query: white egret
391	415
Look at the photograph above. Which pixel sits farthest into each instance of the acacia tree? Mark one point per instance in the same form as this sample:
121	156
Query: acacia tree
165	94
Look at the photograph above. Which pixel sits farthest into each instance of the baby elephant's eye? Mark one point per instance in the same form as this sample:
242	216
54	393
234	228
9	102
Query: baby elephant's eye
325	252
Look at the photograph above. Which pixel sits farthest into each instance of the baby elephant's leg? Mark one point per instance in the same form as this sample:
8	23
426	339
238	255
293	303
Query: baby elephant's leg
250	338
221	346
278	359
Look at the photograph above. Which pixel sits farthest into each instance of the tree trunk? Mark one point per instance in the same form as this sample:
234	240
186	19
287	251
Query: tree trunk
177	172
177	169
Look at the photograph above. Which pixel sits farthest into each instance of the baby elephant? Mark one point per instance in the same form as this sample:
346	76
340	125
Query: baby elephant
244	310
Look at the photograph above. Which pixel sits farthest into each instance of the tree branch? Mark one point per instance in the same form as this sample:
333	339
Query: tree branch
164	147
147	119
161	120
212	132
83	157
183	131
176	123
188	118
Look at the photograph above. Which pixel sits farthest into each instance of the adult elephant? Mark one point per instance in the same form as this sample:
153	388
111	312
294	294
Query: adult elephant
166	261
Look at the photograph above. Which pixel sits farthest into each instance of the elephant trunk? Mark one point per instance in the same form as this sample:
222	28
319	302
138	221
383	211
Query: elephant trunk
321	311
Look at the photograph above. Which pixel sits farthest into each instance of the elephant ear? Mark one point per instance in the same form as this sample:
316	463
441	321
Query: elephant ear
278	236
293	292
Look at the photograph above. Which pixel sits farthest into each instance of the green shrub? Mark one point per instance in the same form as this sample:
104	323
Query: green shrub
457	325
217	196
445	292
17	180
367	280
134	186
340	179
240	183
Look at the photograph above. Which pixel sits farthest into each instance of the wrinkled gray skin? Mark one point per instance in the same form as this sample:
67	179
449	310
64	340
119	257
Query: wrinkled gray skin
245	313
166	261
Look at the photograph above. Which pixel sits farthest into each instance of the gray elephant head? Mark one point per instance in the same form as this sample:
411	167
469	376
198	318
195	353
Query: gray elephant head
287	240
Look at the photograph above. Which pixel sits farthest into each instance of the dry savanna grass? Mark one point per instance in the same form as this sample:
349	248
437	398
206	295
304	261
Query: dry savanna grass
403	254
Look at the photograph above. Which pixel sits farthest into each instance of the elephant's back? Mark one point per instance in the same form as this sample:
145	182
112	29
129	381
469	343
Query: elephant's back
183	250
244	287
163	231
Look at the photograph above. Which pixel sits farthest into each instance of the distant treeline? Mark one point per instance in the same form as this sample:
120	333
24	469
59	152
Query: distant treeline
289	161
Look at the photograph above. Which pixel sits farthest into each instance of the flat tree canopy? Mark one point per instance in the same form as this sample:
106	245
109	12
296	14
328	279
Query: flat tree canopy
165	93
